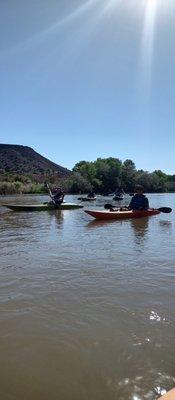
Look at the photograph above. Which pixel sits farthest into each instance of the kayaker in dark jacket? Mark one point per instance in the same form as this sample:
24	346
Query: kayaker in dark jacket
91	195
58	196
139	201
119	192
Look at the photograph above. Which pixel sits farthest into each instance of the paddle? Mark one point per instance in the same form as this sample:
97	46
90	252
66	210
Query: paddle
50	193
165	210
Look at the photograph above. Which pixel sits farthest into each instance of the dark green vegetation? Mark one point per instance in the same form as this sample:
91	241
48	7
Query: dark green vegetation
106	175
22	170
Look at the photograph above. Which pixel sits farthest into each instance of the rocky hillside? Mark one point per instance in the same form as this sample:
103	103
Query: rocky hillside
24	160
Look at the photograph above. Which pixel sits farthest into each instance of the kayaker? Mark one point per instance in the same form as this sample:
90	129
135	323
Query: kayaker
91	195
139	201
58	196
119	192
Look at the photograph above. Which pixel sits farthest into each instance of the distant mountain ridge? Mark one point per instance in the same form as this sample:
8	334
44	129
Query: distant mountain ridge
24	160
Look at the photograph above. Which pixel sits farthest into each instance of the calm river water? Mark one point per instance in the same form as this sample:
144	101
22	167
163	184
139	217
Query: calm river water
87	309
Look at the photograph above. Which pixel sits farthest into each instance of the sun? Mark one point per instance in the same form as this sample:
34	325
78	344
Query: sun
151	3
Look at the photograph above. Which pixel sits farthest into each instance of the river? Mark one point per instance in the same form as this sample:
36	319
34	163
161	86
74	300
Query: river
86	308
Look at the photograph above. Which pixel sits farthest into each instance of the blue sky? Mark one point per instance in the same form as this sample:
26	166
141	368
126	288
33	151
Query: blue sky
82	79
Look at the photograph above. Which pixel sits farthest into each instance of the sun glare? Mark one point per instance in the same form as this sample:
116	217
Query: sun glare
147	43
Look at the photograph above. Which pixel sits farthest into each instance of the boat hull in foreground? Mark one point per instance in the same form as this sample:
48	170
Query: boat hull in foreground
118	215
42	207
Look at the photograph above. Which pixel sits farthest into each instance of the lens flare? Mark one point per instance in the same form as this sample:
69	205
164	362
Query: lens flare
147	43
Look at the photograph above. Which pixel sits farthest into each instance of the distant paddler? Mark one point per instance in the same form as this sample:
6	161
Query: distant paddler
91	195
119	194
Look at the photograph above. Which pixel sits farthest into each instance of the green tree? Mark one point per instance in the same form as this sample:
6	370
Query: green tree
86	169
128	175
108	172
79	184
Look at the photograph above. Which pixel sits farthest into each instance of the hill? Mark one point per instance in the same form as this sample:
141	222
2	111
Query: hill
24	160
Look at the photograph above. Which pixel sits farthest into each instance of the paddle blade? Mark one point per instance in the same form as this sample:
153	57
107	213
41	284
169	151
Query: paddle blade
165	210
108	206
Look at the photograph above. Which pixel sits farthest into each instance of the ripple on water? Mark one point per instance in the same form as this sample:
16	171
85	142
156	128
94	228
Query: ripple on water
148	387
155	317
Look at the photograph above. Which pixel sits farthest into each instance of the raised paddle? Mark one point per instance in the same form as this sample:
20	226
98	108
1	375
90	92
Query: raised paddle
108	206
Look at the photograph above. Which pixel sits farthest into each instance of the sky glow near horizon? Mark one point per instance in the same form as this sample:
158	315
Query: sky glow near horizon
86	71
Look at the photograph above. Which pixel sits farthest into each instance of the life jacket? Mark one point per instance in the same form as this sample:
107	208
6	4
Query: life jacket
139	201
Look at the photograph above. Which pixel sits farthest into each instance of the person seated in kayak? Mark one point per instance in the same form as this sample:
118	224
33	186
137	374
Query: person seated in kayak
91	195
58	196
139	201
119	192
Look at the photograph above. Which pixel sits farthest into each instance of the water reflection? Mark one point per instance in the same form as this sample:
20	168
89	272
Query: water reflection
140	228
165	224
56	219
99	223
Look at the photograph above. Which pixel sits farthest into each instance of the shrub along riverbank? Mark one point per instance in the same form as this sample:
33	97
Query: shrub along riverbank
28	184
102	176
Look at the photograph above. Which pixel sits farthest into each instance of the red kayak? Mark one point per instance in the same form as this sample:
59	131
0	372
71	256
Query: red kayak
108	215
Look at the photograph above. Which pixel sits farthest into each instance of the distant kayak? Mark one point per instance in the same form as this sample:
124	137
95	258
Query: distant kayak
119	215
42	207
87	198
